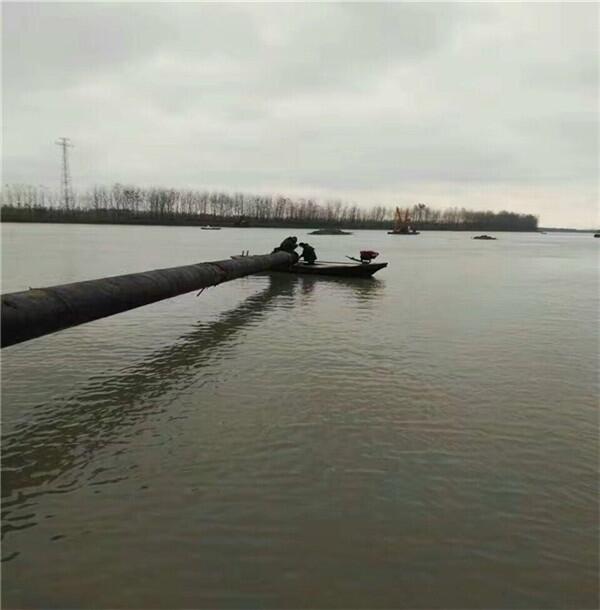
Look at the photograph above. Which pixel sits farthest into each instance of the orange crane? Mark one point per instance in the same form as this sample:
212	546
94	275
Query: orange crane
402	225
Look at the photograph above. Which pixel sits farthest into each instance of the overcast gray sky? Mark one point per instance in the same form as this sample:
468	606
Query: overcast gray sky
487	106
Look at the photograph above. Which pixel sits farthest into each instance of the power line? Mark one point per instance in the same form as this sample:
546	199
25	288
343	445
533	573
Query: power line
67	191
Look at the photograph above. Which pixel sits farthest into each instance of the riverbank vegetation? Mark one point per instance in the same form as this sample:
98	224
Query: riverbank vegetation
125	204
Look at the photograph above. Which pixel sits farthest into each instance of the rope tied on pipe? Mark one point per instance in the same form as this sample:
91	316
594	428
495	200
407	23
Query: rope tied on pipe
223	271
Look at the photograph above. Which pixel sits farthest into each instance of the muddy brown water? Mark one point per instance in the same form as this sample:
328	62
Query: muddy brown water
428	439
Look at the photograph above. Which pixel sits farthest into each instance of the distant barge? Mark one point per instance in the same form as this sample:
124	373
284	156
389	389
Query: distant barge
329	232
402	224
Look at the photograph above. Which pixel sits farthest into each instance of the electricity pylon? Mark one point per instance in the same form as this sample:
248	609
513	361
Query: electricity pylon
67	192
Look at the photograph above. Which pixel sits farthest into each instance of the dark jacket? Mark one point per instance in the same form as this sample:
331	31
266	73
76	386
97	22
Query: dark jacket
289	244
308	254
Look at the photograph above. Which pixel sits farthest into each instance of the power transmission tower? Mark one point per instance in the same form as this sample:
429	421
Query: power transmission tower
67	192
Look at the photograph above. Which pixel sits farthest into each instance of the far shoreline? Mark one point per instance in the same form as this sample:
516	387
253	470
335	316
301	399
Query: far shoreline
267	226
176	223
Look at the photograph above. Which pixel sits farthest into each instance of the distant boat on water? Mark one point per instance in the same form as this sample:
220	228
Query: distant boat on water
484	237
402	224
329	232
210	228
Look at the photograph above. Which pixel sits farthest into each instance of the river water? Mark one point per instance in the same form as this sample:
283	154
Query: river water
427	439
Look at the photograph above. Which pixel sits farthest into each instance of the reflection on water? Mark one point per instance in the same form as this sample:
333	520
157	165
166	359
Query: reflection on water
363	290
66	433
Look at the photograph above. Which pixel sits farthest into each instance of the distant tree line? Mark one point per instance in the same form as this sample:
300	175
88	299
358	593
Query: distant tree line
126	204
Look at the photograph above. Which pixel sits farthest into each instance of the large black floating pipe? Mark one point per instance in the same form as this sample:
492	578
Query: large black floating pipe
41	311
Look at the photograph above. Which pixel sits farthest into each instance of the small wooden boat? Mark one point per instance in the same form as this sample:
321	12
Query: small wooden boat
336	269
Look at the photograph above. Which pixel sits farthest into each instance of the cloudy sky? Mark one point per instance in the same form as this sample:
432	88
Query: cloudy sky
486	106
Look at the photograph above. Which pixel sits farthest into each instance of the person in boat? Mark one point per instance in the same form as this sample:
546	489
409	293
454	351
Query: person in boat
289	244
308	253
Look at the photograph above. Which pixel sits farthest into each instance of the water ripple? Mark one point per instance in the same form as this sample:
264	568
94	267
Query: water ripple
416	441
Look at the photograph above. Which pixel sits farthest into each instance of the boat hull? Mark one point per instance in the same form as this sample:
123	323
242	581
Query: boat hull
327	232
336	269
